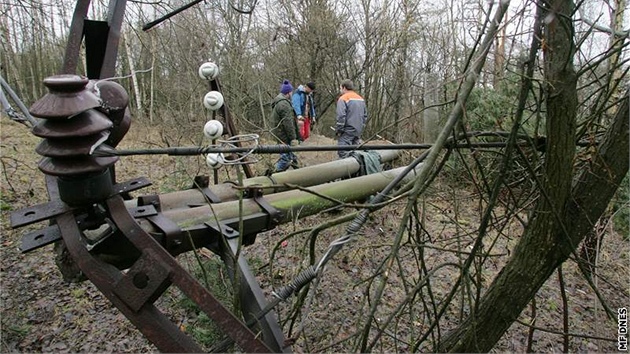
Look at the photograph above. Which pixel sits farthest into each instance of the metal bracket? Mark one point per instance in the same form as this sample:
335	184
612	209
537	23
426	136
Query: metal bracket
213	198
242	335
202	183
55	208
152	199
223	229
145	281
148	319
130	185
143	211
256	193
37	213
173	234
40	238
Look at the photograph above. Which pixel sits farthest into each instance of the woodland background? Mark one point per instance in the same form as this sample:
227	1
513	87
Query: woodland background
538	233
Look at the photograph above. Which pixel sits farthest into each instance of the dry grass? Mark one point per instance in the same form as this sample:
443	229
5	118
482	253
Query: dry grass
41	313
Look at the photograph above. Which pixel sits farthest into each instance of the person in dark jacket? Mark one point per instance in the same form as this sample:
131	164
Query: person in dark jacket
304	107
284	126
351	117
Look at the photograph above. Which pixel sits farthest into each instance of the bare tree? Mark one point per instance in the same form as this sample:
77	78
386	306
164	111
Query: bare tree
569	204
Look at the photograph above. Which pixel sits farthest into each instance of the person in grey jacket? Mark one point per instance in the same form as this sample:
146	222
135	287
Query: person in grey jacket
351	117
284	126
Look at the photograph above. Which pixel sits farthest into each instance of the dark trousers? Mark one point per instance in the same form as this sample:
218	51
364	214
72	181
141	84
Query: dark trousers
344	140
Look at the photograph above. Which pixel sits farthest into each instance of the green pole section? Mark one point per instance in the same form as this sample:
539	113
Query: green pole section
305	177
294	203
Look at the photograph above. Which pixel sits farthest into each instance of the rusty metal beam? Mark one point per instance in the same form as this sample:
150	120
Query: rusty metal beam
234	328
75	37
291	203
251	295
148	319
116	12
115	19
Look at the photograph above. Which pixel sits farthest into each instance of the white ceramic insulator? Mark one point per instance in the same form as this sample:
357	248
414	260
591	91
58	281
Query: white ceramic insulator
213	129
214	160
213	100
208	71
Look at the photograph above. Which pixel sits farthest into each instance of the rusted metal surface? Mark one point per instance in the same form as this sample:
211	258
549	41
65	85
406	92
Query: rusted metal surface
40	238
131	185
290	203
305	177
144	282
174	237
251	295
115	18
73	47
148	319
38	213
234	328
153	271
106	52
56	207
202	184
142	211
274	214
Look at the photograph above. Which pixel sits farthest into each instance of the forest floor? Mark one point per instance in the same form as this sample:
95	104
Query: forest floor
42	313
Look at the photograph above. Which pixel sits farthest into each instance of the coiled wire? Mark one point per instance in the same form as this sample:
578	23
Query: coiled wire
296	284
238	141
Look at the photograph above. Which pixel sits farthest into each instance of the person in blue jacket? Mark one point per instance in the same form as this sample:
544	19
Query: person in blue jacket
304	107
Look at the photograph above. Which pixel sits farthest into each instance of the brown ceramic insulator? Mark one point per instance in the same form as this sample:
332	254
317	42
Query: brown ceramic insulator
114	97
85	123
75	166
115	102
69	147
117	115
67	96
120	129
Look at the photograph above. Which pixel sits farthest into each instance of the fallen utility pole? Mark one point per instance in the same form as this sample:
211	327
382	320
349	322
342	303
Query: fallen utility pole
287	205
308	176
144	240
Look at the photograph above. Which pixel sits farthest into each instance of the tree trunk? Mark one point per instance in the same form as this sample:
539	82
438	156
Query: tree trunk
565	213
499	59
616	43
431	115
132	69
